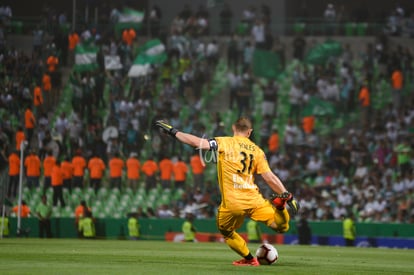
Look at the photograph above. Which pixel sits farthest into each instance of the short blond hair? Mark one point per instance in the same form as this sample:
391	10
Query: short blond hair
243	124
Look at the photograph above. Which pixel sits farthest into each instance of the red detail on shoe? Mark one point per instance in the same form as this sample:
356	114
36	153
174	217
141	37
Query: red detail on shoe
244	262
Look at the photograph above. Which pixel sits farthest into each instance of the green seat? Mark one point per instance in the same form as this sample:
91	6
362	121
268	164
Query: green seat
242	28
56	212
17	27
102	193
361	29
299	27
350	28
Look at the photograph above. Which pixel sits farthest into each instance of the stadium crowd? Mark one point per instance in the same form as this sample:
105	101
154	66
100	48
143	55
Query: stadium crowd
366	170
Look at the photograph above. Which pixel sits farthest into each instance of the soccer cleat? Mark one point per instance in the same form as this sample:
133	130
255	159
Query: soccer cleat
244	262
280	200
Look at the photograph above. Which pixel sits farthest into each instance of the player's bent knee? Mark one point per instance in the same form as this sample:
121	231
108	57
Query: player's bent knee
280	228
283	228
225	233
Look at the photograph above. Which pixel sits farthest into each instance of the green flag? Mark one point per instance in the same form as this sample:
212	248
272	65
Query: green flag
266	64
112	62
318	107
322	52
151	53
129	18
85	57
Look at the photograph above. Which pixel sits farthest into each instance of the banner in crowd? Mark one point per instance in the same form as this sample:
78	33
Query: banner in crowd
318	107
266	64
151	53
129	18
321	53
86	57
112	62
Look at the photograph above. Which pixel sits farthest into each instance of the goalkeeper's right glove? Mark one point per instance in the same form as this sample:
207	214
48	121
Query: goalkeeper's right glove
280	200
166	127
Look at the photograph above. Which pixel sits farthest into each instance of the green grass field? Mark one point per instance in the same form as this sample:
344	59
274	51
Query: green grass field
64	256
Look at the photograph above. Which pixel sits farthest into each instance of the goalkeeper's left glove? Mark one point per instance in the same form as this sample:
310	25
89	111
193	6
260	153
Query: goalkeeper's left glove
166	127
280	200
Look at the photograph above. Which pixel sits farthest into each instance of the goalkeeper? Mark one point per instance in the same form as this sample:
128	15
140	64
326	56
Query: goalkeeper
239	159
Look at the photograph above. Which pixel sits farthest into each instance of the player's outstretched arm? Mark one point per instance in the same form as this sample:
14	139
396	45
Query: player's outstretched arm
192	140
186	138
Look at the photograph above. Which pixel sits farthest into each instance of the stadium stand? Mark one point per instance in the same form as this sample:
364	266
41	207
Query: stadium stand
200	90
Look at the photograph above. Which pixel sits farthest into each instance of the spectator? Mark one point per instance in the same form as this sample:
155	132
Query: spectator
24	210
258	34
79	213
188	228
296	101
166	169
29	122
254	234
4	221
273	142
67	170
48	165
73	41
133	227
180	170
149	168
129	36
270	98
57	184
79	165
96	168
38	36
32	166
14	172
87	225
244	95
19	138
404	156
248	51
397	82
44	212
299	47
234	82
116	166
349	231
38	99
164	212
197	167
133	167
365	104
304	230
330	19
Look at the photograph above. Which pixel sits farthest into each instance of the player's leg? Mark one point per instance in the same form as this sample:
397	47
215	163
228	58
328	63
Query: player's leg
227	223
276	219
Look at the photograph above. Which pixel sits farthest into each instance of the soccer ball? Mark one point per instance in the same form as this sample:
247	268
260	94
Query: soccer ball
267	254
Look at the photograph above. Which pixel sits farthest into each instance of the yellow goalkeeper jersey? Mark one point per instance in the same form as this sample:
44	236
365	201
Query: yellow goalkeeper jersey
238	160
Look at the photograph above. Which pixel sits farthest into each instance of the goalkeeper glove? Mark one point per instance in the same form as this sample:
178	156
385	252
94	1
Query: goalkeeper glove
280	200
166	128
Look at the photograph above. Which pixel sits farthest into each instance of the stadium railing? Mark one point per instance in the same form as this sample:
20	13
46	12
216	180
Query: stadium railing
289	26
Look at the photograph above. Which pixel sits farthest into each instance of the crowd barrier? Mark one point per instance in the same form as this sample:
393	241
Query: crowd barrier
323	233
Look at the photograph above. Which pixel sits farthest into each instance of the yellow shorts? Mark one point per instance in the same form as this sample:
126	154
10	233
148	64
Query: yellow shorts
230	220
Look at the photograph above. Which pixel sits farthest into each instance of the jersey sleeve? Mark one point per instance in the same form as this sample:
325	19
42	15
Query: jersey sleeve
262	164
